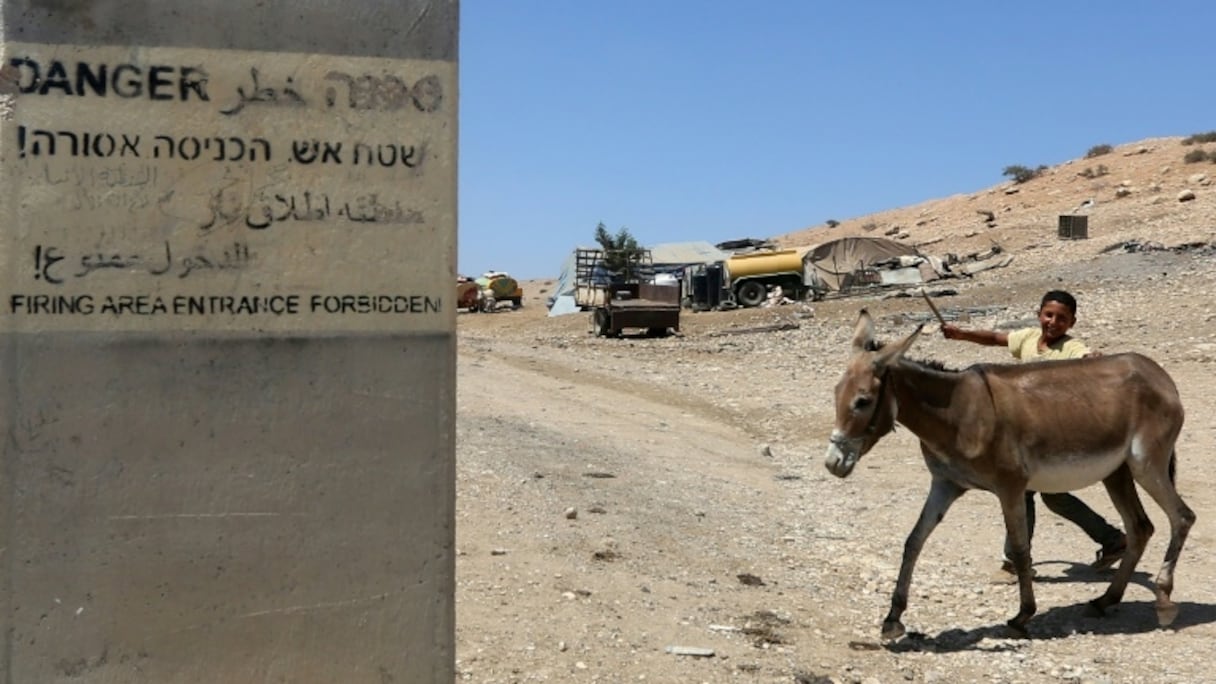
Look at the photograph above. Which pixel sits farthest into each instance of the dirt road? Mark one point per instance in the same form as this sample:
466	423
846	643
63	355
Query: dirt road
621	499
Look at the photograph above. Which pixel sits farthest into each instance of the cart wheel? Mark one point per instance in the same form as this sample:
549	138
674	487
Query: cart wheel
601	323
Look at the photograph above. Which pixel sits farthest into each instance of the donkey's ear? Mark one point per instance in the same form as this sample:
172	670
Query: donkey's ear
892	353
863	335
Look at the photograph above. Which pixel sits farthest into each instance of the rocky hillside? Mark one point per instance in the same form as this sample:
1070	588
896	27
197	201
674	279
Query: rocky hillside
1143	191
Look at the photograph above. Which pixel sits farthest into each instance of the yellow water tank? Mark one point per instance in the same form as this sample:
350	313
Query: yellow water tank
765	263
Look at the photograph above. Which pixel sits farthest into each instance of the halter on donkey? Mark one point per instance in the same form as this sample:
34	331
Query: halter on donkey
1051	427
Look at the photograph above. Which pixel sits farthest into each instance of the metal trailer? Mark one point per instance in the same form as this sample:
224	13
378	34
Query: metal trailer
622	299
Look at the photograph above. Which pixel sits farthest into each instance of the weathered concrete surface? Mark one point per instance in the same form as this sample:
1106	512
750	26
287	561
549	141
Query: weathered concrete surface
228	370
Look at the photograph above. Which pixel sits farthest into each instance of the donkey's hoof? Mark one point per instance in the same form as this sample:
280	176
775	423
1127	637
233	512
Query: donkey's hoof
1166	613
1094	609
1016	630
892	630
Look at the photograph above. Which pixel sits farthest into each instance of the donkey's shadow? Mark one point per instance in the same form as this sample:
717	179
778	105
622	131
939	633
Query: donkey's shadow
1128	617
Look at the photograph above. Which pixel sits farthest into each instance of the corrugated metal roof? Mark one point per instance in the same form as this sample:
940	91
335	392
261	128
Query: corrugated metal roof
686	253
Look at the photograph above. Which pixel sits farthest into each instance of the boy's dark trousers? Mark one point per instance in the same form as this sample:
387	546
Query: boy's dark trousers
1075	510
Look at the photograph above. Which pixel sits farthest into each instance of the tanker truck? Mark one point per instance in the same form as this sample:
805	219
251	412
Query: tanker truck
750	276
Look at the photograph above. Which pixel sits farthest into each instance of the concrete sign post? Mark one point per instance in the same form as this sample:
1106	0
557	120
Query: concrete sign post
227	341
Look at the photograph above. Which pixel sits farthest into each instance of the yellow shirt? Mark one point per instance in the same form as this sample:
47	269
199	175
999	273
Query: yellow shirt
1024	345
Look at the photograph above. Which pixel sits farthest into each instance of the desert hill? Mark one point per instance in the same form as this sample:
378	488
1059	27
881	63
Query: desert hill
1133	192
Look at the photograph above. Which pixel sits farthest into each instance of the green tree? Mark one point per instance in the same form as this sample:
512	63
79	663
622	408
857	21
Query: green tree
621	251
1021	174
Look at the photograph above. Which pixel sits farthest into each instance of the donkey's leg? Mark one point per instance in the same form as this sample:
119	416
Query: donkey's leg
942	493
1122	490
1159	483
1017	540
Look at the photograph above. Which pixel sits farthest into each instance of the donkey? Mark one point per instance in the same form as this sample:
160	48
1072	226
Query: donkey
1049	426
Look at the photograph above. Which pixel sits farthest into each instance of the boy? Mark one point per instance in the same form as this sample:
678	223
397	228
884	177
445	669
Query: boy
1049	342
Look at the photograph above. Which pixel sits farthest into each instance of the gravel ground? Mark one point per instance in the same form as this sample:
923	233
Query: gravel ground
657	509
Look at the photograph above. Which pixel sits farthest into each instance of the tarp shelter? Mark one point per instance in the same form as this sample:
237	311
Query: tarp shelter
835	263
563	292
673	256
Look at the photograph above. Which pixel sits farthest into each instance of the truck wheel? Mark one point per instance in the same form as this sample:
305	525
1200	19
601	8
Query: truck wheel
750	293
516	302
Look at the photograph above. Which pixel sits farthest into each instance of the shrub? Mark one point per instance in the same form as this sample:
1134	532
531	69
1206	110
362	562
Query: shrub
1021	174
832	223
1196	156
1098	151
1092	173
1210	136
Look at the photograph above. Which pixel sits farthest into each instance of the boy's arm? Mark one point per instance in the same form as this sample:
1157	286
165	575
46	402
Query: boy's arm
988	338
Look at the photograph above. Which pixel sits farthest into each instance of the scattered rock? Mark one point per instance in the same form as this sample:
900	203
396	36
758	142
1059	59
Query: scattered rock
571	513
1186	195
749	580
693	651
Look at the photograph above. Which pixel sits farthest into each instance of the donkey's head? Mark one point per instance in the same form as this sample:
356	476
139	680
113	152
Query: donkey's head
865	407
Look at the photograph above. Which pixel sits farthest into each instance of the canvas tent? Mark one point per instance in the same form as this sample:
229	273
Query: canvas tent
836	264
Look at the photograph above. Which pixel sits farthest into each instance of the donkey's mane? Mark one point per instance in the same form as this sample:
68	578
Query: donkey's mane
934	364
931	364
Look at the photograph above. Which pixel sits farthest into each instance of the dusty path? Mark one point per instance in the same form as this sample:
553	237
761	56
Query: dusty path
662	500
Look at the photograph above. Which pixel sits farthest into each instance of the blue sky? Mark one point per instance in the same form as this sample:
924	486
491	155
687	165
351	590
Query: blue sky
713	120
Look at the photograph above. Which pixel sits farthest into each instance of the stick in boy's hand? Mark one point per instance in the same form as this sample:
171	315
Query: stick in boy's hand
932	307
